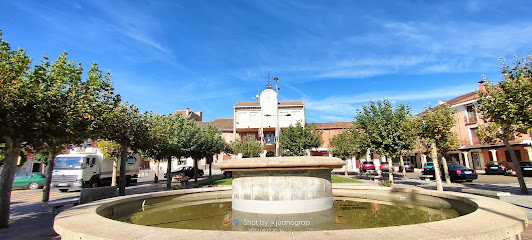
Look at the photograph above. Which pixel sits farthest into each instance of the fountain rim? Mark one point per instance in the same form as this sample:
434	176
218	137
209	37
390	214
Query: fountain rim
83	221
281	163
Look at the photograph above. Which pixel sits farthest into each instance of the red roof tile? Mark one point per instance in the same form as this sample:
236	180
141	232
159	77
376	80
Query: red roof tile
222	124
334	125
463	98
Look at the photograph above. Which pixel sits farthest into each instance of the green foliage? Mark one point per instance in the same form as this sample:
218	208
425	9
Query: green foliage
295	140
248	146
224	181
385	183
388	129
489	133
348	144
509	103
109	149
436	127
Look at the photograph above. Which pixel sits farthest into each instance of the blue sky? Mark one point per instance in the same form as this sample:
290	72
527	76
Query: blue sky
334	55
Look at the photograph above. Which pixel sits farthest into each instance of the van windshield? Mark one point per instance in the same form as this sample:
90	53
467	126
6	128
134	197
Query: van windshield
68	162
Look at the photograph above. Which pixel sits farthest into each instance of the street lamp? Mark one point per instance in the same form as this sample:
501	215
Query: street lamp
277	130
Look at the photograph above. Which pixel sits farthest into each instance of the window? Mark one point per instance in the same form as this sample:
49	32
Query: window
472	114
474	137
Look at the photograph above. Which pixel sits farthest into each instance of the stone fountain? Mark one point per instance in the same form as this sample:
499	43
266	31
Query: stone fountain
282	185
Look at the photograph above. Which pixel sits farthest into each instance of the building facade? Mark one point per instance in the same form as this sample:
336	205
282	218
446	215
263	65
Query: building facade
265	118
472	152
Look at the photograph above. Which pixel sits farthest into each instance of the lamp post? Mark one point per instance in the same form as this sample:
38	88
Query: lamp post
277	130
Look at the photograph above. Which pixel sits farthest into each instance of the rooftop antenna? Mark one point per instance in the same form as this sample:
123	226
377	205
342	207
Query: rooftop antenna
268	85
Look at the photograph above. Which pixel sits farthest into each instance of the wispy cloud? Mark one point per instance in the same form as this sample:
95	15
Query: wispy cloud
346	105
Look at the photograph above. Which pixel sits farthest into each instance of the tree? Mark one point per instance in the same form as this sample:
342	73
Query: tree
68	106
436	134
207	143
384	128
509	106
111	150
158	145
248	146
16	117
125	125
347	144
295	140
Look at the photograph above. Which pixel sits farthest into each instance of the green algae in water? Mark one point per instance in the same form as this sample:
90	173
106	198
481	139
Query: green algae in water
216	214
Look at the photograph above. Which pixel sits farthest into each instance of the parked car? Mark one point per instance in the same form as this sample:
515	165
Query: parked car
368	166
498	167
428	166
29	180
457	172
526	168
409	167
187	171
386	167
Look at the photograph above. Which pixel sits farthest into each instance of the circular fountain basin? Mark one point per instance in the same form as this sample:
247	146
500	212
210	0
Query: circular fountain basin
282	185
505	221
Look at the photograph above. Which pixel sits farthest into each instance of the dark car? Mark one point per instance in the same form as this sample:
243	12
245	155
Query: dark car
526	168
368	166
29	180
386	167
408	167
457	172
187	171
493	167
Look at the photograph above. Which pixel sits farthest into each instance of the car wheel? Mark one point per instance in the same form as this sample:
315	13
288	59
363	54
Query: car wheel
63	190
33	186
228	174
94	183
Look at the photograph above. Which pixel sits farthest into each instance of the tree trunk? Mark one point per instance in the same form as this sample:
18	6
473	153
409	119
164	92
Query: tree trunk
12	152
436	167
517	167
195	171
390	168
446	170
156	177
169	173
115	171
210	167
48	181
402	162
122	179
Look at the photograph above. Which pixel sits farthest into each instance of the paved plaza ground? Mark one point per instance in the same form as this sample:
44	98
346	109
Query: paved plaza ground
31	220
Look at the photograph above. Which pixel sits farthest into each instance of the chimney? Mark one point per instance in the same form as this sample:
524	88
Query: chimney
187	112
482	87
200	116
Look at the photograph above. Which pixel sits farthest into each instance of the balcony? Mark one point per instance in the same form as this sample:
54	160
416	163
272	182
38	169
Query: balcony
269	140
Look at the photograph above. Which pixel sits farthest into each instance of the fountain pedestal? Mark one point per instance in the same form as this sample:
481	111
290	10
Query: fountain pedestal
282	185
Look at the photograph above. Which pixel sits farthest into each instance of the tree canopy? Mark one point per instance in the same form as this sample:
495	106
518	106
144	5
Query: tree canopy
248	146
296	140
508	105
386	128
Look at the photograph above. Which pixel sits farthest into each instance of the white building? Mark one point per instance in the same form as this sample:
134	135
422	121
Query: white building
265	118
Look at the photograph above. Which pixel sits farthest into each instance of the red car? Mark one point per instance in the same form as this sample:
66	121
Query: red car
385	167
367	166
